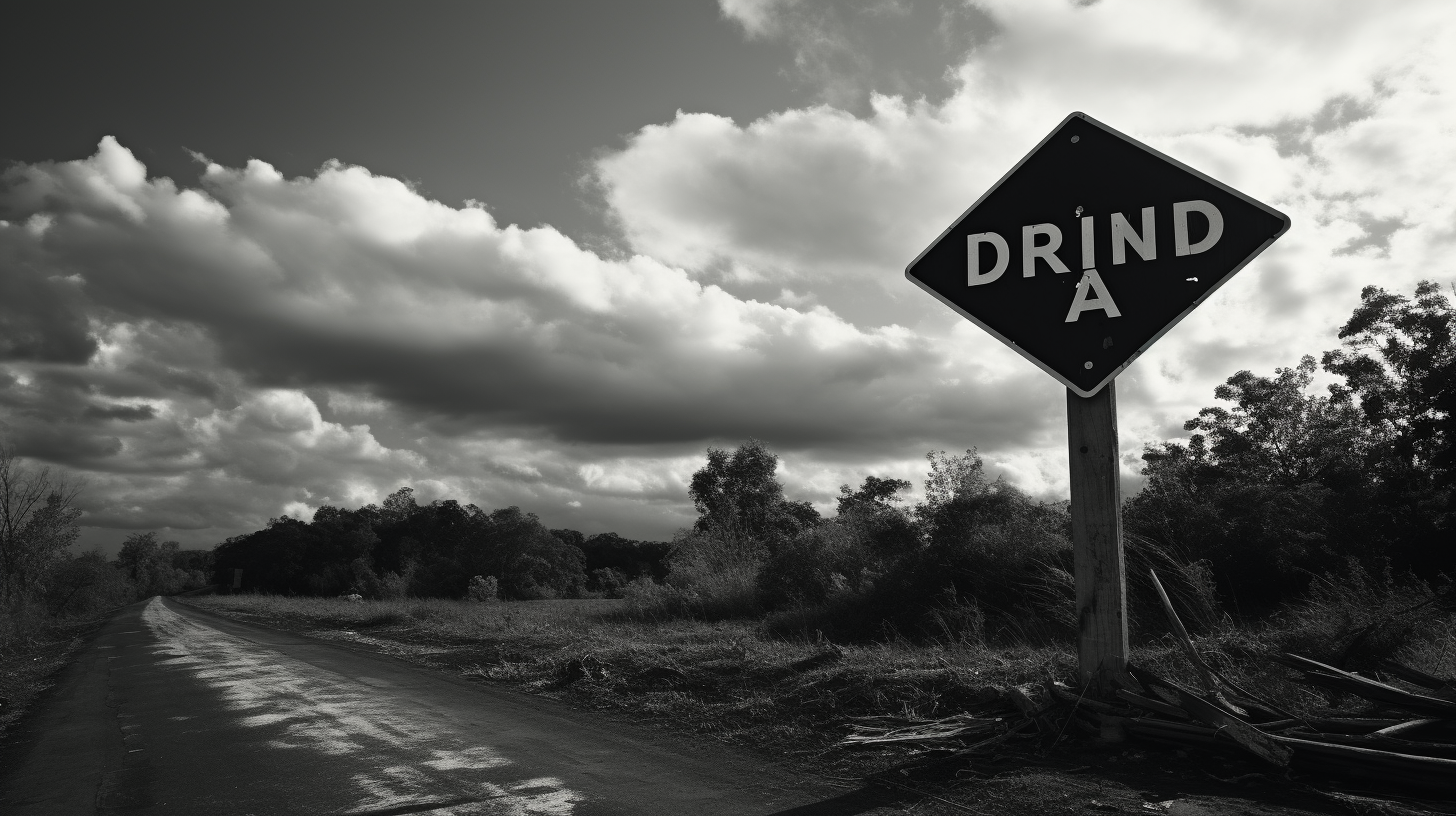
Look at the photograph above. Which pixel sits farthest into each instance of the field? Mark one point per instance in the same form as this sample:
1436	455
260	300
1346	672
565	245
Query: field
796	698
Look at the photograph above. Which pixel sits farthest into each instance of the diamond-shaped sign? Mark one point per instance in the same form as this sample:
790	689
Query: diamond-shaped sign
1090	249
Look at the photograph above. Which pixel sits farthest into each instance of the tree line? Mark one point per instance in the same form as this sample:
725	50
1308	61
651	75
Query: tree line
401	548
1278	485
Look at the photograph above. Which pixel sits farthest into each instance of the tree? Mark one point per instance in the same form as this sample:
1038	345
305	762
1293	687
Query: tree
1399	364
1407	388
951	477
151	565
1287	483
874	516
38	523
741	503
1279	434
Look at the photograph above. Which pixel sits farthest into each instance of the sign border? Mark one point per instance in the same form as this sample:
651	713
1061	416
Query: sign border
1284	219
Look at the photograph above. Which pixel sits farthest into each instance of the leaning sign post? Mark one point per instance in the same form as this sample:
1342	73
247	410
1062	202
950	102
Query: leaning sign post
1083	255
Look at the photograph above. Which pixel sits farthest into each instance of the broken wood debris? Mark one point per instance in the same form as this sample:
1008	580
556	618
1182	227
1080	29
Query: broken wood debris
1411	744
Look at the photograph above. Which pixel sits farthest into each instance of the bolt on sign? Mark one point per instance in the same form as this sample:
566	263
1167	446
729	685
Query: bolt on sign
1090	249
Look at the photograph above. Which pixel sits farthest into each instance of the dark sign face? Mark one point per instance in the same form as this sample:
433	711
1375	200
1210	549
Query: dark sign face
1090	249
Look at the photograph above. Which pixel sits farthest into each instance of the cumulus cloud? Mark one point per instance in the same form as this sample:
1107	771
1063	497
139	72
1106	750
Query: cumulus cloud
1335	114
223	321
211	357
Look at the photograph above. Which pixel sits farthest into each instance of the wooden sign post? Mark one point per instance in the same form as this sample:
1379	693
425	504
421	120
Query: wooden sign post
1097	538
1153	238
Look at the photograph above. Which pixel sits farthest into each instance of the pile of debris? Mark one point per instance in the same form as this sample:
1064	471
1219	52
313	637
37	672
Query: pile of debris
1408	741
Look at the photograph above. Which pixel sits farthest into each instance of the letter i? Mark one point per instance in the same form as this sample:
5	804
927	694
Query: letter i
1091	293
1089	256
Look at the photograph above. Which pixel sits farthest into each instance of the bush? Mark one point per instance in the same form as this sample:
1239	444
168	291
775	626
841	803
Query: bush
394	586
85	585
988	552
709	579
832	557
609	582
1354	620
483	589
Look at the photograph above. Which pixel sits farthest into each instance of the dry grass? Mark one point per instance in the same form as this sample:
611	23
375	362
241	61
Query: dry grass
736	681
34	647
729	679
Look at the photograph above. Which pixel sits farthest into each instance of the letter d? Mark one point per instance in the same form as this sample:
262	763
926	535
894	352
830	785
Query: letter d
974	275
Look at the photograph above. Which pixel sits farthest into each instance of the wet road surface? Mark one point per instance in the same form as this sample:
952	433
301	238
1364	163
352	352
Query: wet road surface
175	711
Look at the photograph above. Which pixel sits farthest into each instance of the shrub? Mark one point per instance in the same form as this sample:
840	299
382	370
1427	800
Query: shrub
818	562
1354	619
608	581
988	549
708	580
394	586
483	589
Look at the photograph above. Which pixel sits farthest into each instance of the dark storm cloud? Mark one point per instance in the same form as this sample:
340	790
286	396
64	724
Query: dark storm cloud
330	337
121	413
41	315
497	365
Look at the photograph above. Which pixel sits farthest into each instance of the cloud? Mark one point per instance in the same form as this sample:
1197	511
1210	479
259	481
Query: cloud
847	51
224	321
1338	115
211	357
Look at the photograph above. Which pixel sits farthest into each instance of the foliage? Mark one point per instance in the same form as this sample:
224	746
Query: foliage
1354	618
611	561
1287	484
483	589
87	584
741	502
38	523
401	548
1407	389
152	567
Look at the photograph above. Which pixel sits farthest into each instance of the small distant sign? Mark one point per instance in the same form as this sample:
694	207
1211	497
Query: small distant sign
1091	248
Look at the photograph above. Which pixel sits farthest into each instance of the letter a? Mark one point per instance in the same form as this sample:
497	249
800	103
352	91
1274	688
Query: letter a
1091	281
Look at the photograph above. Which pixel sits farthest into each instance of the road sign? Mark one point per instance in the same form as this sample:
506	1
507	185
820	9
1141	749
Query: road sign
1090	249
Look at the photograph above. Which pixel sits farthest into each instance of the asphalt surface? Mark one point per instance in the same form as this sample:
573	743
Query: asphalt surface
174	711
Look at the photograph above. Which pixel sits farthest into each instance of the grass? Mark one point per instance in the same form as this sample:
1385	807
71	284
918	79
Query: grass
728	678
793	697
736	678
34	647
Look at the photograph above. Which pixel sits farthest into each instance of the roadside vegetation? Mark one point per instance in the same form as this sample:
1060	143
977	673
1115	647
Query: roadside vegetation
51	597
1290	518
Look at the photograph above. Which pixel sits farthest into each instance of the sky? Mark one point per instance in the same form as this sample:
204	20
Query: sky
259	258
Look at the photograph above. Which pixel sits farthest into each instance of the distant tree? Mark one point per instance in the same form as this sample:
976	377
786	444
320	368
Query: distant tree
86	584
1399	361
150	565
951	477
1278	433
740	502
875	516
625	556
38	523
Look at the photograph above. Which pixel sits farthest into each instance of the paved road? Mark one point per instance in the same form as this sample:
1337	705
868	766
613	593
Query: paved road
174	711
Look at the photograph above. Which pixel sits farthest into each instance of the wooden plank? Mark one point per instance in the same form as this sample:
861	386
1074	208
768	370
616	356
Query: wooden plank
1097	539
